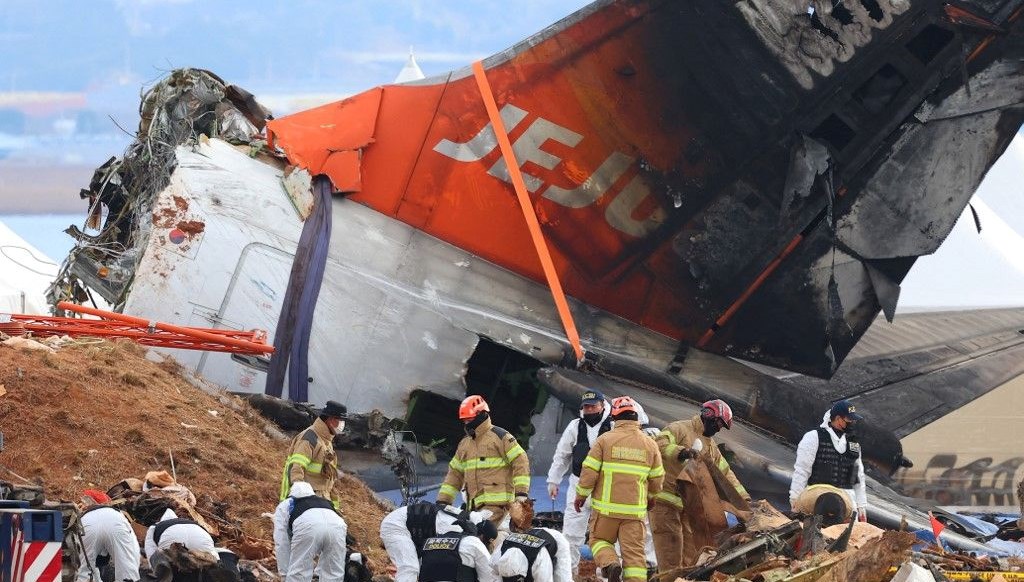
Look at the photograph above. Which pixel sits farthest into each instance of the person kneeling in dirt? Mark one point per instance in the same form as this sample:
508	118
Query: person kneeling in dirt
181	550
537	555
174	530
459	556
107	538
307	527
404	530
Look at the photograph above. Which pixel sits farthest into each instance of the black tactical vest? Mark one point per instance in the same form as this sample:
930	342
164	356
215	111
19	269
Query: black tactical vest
301	505
530	543
421	521
582	446
161	527
440	561
832	467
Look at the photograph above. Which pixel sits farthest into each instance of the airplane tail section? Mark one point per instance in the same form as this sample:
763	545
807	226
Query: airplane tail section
693	168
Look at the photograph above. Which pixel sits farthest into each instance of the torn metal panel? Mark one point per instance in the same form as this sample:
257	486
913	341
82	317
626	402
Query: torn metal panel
938	163
326	148
809	159
887	291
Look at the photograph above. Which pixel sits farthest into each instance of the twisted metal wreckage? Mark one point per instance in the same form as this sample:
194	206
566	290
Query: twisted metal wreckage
728	194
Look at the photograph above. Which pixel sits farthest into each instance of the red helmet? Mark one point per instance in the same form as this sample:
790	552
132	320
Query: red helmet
717	409
472	406
623	404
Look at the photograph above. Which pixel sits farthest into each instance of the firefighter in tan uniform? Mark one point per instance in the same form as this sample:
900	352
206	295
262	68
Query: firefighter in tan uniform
311	457
678	442
489	463
621	474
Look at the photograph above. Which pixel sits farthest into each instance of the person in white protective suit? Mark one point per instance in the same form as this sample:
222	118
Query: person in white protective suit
577	438
307	527
404	530
170	530
106	532
538	555
829	464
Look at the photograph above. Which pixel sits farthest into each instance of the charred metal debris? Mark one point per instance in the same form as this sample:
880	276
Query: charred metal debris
179	110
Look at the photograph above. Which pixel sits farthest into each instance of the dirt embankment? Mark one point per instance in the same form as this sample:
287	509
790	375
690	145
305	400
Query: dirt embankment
97	412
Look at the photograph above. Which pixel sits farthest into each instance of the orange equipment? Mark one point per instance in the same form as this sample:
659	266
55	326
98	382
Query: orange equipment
472	406
144	331
623	404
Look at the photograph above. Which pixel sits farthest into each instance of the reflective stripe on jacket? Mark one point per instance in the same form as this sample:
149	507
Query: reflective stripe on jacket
621	472
492	467
311	458
681	435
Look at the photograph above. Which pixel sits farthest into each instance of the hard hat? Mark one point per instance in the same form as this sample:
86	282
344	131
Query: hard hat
472	406
717	409
96	495
623	404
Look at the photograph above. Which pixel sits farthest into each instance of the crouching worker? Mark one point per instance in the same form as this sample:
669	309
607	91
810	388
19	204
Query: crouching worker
459	557
307	527
108	539
404	530
182	550
537	555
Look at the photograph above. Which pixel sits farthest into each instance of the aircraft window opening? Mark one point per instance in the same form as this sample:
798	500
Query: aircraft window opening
835	131
874	9
878	91
820	26
506	378
928	43
841	13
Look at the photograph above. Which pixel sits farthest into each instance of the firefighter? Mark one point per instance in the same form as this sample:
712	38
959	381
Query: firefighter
678	442
577	438
459	556
311	457
622	473
107	536
828	461
404	530
537	555
489	463
307	528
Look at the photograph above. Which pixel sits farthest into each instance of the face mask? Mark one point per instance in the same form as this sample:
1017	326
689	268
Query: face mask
473	424
593	418
340	428
711	427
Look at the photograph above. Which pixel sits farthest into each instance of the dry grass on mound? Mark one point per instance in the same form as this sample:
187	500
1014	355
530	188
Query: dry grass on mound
97	412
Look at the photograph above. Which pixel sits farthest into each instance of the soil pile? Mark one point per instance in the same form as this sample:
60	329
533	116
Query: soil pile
96	412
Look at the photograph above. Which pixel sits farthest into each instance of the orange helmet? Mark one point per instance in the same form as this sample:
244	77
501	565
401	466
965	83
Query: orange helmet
623	404
717	409
472	406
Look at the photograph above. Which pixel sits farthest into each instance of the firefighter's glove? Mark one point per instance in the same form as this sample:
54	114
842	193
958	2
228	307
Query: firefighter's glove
686	454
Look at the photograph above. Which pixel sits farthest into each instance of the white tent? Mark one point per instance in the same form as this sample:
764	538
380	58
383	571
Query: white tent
25	273
411	71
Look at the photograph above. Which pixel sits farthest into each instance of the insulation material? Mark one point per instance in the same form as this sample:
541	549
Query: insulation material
862	533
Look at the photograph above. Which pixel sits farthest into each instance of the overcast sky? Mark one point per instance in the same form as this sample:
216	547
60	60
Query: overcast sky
295	45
